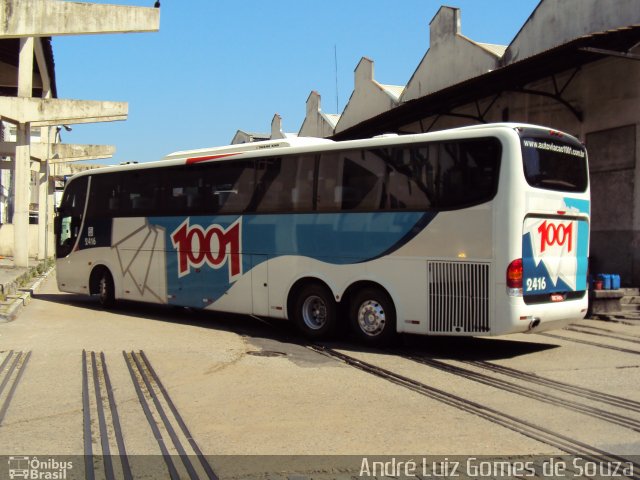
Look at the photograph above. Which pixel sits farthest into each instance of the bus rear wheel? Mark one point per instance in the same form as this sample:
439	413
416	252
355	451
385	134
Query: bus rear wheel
314	311
373	316
106	290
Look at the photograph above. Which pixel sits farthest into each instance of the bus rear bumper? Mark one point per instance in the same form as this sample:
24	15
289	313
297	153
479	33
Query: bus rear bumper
543	317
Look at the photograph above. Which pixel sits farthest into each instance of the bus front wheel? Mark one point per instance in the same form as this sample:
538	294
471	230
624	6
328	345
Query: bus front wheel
314	311
373	316
106	289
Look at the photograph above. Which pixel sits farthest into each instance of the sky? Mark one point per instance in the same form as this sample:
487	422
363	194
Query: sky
218	66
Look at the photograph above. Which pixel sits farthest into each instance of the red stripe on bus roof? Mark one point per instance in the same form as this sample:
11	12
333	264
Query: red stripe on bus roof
210	157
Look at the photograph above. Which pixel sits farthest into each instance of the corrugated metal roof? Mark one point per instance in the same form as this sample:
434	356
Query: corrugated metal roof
393	90
497	50
332	118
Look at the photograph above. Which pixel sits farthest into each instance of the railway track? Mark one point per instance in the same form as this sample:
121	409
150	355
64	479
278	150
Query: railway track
603	332
11	372
547	436
94	371
180	452
562	402
608	399
590	343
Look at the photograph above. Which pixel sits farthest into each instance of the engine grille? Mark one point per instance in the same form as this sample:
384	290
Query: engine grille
458	297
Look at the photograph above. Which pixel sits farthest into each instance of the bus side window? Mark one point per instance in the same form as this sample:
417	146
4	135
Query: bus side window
232	185
140	188
285	184
104	197
407	181
351	180
467	172
181	191
329	196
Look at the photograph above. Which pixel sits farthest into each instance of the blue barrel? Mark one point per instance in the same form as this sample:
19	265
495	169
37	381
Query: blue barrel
615	281
606	280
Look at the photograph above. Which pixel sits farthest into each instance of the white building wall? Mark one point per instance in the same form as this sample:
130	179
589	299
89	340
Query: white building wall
276	129
317	123
451	58
369	98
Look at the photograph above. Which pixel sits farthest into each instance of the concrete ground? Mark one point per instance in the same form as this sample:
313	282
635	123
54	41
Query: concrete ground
246	389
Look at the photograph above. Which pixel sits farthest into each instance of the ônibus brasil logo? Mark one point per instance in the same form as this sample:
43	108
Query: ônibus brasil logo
214	246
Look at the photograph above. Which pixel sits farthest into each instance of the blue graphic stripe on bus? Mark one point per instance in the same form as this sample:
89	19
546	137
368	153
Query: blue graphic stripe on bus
581	205
234	245
583	255
332	237
536	279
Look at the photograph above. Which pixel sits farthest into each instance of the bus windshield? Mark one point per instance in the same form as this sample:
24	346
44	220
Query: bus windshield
552	164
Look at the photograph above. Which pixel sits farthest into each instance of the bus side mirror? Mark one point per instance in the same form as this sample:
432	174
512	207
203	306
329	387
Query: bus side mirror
56	226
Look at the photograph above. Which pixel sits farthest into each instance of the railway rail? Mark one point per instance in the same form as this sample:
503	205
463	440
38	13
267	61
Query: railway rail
603	332
590	343
175	441
11	372
562	402
542	434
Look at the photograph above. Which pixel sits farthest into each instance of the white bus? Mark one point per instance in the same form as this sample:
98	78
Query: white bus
473	231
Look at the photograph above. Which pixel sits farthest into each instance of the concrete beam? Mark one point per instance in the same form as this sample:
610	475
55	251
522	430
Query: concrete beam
61	152
10	165
42	66
54	111
48	18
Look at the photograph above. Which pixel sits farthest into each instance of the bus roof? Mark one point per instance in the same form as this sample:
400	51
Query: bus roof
307	144
249	147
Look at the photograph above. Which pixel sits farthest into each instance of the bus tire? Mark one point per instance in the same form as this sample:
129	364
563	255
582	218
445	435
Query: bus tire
106	289
315	311
373	316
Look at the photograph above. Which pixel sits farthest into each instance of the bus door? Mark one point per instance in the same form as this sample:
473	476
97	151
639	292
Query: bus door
69	218
67	228
260	285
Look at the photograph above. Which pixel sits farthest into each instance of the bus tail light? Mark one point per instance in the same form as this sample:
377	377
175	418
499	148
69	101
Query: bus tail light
514	278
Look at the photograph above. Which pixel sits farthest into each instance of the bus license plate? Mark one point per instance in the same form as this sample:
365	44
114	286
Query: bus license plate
557	297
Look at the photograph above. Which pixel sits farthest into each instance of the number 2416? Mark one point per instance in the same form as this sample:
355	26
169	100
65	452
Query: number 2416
538	283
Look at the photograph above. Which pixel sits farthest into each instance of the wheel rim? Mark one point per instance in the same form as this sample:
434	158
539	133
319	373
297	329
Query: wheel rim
104	289
371	318
314	312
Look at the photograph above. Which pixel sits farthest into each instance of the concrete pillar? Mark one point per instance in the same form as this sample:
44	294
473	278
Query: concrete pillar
44	198
45	193
23	161
21	197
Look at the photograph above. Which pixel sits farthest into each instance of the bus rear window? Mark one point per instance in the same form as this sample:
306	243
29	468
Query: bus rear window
555	165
